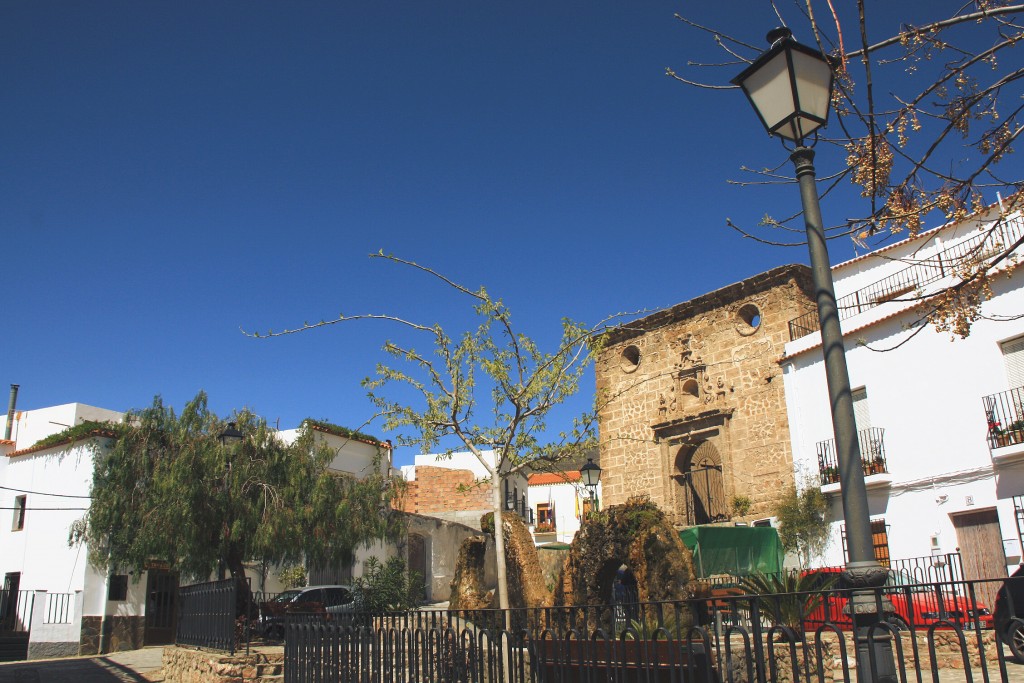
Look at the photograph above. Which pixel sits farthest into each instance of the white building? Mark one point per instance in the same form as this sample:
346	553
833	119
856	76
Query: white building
64	601
560	503
938	480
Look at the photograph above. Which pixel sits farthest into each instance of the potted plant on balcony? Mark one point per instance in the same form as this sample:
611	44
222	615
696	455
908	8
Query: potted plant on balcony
829	474
996	436
1016	431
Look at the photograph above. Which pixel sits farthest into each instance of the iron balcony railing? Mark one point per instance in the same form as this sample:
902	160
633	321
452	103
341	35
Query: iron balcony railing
60	608
872	455
1005	414
914	278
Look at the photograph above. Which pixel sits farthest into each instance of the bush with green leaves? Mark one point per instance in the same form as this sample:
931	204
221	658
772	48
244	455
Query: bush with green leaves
387	587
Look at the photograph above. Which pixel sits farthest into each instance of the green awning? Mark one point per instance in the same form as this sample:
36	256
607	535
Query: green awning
736	550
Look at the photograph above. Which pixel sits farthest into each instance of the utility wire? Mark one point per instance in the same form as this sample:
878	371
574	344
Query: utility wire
41	493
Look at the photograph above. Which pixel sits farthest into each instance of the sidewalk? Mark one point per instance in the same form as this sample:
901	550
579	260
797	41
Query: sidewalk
132	666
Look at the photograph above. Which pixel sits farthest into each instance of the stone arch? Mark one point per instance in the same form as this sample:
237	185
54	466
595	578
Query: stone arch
698	471
635	535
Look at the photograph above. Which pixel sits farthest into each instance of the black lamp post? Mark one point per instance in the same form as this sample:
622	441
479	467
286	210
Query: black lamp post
790	87
228	438
591	475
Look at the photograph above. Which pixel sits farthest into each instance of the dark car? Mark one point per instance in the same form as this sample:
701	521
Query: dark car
1009	614
311	599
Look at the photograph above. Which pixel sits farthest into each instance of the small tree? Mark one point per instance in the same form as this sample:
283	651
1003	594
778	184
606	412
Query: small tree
490	388
387	587
804	523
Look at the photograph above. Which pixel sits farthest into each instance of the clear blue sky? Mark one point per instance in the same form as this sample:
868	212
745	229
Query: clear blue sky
176	170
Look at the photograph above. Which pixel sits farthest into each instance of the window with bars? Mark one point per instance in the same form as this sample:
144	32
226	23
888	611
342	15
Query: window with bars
879	541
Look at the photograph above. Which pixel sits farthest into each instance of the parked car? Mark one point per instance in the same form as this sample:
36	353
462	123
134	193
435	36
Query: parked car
916	605
313	599
1009	614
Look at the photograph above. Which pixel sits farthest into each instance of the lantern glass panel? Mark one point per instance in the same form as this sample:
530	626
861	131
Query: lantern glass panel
770	91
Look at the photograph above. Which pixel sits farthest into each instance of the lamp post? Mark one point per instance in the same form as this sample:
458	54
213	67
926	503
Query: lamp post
591	475
227	438
790	87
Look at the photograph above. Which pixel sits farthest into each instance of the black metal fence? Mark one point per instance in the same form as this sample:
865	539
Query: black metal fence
792	637
206	615
15	621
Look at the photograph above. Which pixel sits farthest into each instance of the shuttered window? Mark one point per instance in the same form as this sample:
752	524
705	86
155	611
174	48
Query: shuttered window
861	415
1013	354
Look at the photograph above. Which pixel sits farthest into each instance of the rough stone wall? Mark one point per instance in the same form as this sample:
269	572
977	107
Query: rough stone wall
701	372
123	633
182	665
437	489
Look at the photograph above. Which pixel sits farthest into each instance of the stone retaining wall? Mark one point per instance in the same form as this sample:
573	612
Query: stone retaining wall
183	665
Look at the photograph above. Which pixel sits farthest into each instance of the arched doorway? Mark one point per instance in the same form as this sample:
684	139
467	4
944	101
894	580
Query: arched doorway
701	496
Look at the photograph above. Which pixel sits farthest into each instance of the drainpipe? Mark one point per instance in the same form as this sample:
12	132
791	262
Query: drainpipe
10	411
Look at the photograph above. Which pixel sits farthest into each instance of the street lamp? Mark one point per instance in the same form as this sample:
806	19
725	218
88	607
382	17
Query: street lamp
591	475
790	87
230	436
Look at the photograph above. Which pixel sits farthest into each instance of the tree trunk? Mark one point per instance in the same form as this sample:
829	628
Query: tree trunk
243	599
499	546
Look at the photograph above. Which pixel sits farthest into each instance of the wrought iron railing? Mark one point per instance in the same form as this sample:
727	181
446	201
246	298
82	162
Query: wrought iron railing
732	636
60	608
1005	414
206	615
912	279
16	610
872	455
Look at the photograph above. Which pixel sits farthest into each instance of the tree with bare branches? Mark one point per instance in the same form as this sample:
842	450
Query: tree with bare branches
926	115
486	389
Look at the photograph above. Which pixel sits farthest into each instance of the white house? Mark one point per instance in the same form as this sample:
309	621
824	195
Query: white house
560	502
67	603
939	480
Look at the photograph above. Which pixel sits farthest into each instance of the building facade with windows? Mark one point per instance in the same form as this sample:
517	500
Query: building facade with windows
937	418
560	501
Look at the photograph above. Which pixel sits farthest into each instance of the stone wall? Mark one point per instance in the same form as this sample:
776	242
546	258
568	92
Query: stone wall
182	665
123	633
700	384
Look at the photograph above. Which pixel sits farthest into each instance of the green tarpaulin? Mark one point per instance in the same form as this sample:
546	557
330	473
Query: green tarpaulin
736	550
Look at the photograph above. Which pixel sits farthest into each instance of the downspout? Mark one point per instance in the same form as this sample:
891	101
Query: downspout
10	411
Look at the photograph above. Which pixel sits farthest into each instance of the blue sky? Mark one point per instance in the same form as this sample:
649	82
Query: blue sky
175	171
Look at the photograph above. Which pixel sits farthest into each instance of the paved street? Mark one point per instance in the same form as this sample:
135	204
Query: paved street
133	666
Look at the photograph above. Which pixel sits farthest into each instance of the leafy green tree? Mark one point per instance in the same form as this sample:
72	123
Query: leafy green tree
804	522
167	489
490	388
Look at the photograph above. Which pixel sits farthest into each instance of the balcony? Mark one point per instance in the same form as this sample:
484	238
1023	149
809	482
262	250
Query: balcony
915	279
1005	415
872	455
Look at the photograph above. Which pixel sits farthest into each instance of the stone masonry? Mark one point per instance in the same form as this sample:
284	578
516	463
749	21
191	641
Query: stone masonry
694	410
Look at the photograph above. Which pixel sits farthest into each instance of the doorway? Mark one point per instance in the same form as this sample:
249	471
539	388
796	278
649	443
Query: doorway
161	607
981	547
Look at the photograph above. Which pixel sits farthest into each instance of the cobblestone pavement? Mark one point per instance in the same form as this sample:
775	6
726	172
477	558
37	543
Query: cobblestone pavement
133	666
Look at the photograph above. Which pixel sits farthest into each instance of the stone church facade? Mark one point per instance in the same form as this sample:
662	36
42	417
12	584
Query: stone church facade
693	407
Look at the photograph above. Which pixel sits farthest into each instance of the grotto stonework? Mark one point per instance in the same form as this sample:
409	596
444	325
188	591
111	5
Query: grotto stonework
525	580
636	534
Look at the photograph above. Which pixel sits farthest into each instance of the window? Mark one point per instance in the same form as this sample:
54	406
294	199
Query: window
1013	356
117	587
545	517
20	503
861	415
879	540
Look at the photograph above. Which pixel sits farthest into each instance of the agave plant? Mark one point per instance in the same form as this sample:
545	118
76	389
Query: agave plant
790	596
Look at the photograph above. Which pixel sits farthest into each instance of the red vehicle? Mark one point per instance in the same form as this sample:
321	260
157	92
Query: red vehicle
916	605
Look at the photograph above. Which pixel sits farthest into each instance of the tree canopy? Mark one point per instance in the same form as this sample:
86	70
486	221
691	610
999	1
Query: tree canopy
804	522
166	489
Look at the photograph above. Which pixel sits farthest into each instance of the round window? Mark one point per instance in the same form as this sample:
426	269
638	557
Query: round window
630	358
748	319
